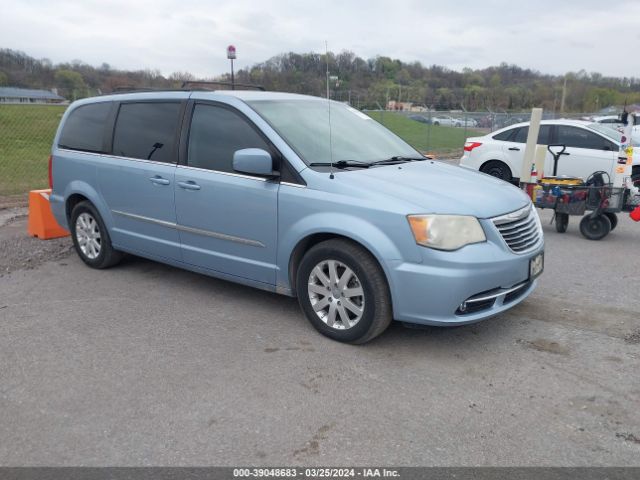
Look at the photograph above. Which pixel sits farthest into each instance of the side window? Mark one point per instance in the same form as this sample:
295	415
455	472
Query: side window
544	134
580	138
84	128
216	133
504	136
523	132
147	131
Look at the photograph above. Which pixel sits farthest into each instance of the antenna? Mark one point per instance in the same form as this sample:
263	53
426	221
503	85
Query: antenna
326	49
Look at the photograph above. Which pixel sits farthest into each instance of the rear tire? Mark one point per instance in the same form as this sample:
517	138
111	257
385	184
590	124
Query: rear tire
91	238
595	228
343	292
497	169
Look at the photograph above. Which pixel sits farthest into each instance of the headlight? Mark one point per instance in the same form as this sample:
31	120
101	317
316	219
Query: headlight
446	232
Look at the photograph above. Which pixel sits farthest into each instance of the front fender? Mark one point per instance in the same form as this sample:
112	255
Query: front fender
380	244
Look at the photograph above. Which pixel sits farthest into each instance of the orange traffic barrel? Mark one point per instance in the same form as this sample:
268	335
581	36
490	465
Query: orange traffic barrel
42	224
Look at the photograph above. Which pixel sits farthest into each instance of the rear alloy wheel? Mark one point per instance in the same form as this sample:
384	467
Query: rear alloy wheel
497	169
90	237
595	228
343	291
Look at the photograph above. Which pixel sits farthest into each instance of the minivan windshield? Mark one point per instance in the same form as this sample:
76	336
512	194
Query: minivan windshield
356	137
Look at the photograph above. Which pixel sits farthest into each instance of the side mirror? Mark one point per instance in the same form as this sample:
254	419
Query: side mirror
254	161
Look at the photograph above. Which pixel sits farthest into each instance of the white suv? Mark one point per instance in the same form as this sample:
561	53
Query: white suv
591	147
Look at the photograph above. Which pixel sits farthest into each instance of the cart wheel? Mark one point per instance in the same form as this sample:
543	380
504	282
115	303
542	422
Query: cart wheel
562	222
613	218
595	228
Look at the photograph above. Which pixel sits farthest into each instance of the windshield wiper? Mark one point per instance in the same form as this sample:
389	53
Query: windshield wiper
398	159
341	164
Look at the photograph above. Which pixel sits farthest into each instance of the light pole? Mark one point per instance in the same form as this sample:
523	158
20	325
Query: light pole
231	55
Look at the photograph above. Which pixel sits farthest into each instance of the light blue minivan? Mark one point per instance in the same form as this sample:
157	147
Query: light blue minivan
295	195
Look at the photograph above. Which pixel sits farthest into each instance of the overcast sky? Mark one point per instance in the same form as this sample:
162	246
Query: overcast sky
551	36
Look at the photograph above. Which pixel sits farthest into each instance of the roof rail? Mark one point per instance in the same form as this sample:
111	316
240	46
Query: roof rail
127	89
229	84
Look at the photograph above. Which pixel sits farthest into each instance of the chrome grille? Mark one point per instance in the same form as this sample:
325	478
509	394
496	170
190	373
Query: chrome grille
521	230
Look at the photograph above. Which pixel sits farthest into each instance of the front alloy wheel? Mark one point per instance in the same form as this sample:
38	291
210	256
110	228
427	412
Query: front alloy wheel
336	294
343	291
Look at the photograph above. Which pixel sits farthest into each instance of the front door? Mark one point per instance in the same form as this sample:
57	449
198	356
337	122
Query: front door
227	221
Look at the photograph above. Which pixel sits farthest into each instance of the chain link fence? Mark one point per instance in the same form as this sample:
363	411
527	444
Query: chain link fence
443	132
27	131
26	134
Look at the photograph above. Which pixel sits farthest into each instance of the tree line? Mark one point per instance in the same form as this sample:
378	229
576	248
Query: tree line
369	83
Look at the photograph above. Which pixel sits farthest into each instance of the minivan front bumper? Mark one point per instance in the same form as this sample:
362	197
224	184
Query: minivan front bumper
465	286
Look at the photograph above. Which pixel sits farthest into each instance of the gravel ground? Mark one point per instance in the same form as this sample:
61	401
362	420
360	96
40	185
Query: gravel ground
18	251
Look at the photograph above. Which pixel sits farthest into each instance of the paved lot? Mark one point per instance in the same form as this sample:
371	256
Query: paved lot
146	364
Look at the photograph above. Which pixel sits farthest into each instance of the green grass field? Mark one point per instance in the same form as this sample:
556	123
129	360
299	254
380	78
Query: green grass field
426	138
26	134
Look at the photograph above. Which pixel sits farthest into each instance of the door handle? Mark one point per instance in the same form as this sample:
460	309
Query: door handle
158	180
190	185
514	149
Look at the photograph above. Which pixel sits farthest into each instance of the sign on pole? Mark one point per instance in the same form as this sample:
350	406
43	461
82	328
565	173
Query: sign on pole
231	52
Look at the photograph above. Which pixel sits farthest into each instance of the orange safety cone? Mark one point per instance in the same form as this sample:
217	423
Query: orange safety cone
42	224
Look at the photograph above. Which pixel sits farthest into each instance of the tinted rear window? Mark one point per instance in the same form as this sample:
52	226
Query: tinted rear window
84	128
147	131
504	136
523	132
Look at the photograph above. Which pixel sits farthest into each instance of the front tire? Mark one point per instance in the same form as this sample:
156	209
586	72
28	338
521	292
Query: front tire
343	292
91	238
497	169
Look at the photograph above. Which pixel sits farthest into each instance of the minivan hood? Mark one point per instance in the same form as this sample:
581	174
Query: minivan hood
437	187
